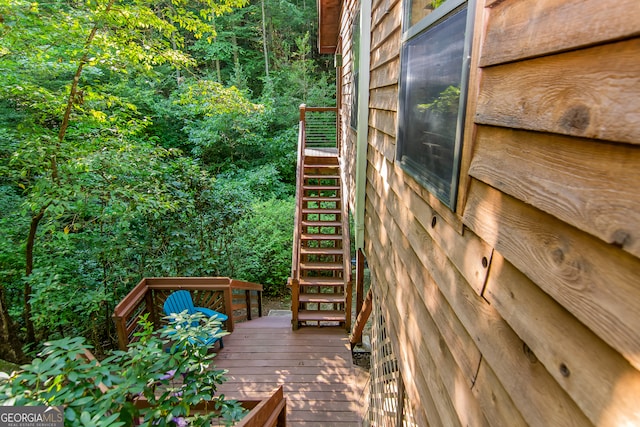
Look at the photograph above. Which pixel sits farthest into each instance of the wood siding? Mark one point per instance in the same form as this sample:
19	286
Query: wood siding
347	133
522	307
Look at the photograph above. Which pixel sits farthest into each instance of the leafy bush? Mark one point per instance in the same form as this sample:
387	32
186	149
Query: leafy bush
262	244
171	373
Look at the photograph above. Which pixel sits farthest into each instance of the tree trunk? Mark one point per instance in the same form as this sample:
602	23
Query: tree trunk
264	42
31	335
10	345
174	46
234	42
217	61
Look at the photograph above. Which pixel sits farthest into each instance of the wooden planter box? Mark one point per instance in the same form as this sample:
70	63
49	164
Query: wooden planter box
268	412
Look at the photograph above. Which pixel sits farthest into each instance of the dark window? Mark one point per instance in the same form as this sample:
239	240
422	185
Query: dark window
433	77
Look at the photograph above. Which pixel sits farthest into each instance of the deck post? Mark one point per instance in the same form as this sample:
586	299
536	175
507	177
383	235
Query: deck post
228	306
303	112
247	299
347	309
149	299
400	407
295	297
121	328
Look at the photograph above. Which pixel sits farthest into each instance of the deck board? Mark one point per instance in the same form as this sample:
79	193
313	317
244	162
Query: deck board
322	386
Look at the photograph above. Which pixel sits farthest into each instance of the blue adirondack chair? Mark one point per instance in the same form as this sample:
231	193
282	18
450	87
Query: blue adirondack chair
180	301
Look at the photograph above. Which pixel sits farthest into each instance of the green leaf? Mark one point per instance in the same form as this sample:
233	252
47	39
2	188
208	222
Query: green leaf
70	414
85	418
82	401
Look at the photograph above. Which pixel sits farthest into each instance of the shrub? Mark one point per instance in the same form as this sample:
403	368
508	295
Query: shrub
262	244
172	373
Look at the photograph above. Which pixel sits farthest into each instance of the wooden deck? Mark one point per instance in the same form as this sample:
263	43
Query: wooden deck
321	385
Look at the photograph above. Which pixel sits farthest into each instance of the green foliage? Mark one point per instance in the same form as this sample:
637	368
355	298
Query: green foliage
8	366
205	98
11	257
163	170
171	373
260	183
262	244
223	127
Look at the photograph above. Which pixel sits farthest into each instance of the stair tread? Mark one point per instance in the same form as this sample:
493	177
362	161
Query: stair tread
321	187
324	159
322	211
320	265
336	284
308	236
322	251
320	176
321	224
322	298
321	281
321	199
321	165
328	315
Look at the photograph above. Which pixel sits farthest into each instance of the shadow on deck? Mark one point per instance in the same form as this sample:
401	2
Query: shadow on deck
321	385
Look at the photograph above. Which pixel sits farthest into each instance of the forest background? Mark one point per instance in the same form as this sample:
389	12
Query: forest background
145	138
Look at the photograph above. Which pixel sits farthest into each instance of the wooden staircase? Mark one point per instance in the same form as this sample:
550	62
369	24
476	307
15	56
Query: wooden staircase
321	267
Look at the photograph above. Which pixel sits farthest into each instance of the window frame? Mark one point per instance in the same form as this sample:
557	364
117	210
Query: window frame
439	15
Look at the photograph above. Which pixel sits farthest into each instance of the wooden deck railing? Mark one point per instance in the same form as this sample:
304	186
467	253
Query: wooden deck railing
297	229
238	300
321	126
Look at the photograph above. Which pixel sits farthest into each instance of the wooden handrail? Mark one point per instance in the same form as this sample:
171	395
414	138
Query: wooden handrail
297	226
132	299
245	286
125	308
186	281
216	293
321	109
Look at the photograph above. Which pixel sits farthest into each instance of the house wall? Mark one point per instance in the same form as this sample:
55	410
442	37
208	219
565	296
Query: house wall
347	133
523	306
